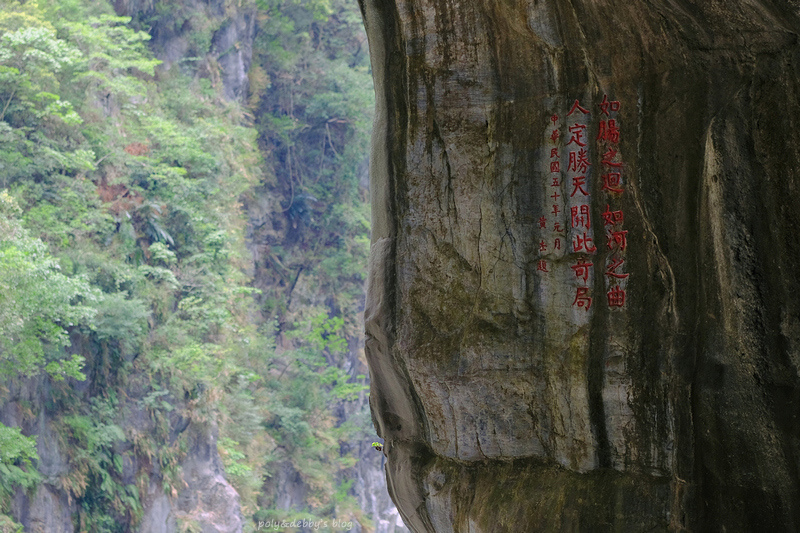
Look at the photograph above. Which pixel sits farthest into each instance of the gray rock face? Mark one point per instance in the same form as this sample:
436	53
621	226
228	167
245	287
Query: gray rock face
582	307
49	508
212	36
158	516
49	511
208	499
370	489
233	47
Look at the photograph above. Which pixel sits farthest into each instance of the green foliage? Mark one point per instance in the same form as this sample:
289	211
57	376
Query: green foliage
126	236
313	101
16	455
35	122
30	59
315	113
191	367
95	469
37	303
324	333
8	525
127	239
232	458
120	319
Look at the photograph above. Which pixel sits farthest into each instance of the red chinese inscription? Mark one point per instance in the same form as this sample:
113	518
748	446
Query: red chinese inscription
583	243
580	216
611	270
616	297
608	131
582	298
618	239
577	185
611	218
606	105
577	107
581	269
578	162
611	182
577	132
608	158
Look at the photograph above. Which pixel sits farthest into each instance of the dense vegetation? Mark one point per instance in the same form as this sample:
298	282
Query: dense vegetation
167	251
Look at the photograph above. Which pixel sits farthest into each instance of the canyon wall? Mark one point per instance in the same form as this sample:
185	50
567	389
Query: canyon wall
582	308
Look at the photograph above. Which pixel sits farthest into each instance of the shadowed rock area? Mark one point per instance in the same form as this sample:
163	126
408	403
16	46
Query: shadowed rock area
583	307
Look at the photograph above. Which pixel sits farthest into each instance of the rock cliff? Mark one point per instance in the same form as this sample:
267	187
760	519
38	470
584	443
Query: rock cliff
583	308
132	438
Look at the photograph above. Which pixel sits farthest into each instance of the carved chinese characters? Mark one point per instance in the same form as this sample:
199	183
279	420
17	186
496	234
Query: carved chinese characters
552	241
608	137
578	176
565	228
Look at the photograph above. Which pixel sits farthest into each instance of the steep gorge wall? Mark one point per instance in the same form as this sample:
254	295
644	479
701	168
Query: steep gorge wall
204	496
514	386
212	40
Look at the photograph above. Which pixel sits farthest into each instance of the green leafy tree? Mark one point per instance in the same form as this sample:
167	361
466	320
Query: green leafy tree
38	304
17	455
30	59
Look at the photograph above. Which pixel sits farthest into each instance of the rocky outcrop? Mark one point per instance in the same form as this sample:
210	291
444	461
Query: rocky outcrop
48	507
208	499
214	37
202	496
373	498
582	309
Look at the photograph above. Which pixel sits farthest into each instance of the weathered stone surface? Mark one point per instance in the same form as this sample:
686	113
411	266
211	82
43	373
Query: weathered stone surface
180	36
158	516
208	499
504	405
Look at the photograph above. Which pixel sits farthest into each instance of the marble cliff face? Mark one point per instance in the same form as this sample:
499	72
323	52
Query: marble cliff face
584	302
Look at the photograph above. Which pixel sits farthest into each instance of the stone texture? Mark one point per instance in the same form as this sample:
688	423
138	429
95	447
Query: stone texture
233	47
158	516
226	58
505	407
207	499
